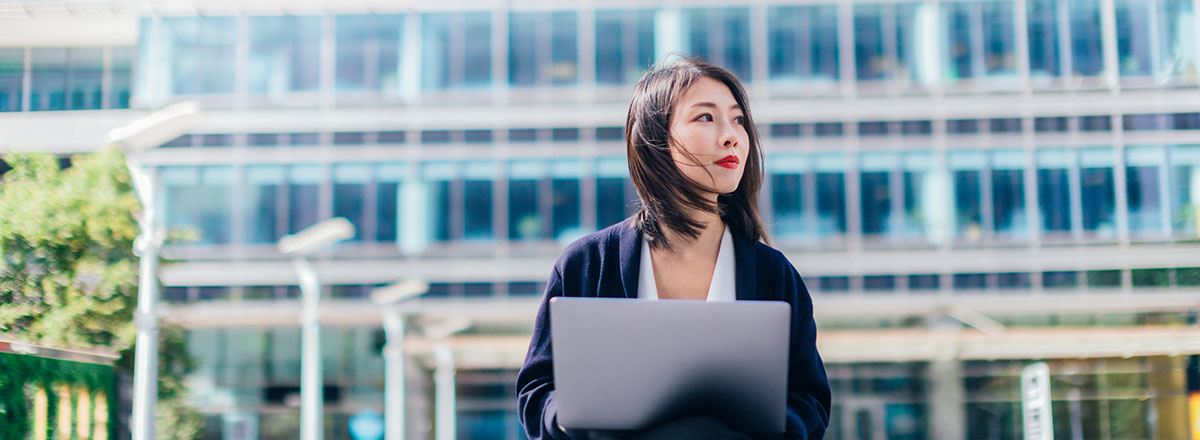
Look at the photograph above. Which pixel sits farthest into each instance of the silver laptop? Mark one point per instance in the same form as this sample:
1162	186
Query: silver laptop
624	364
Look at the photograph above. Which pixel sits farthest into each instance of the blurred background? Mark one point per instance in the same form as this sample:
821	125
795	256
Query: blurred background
967	187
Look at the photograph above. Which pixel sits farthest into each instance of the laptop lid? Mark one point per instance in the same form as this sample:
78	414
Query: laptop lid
623	364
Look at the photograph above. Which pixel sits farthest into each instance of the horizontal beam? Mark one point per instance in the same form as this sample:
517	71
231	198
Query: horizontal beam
493	264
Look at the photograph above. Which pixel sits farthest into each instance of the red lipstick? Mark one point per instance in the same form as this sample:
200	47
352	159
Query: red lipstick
729	161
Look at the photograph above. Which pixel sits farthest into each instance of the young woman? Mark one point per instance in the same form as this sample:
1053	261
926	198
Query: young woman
695	159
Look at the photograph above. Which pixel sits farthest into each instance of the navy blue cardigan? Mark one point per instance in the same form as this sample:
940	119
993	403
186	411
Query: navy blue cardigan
606	264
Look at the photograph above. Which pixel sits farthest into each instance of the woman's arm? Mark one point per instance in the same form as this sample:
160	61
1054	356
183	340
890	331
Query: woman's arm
808	388
535	382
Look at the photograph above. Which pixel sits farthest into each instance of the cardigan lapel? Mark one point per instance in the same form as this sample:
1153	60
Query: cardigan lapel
745	253
629	257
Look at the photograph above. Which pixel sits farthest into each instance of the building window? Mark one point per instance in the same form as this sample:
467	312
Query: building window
828	129
66	79
304	139
876	193
970	281
522	134
390	137
264	189
387	207
610	134
987	25
1152	121
1008	193
284	54
1097	190
885	45
791	130
1095	123
303	196
565	202
1005	125
120	77
543	48
624	45
1050	124
833	284
477	136
1103	279
803	44
787	204
350	195
368	53
564	134
1086	55
456	50
614	191
1185	189
1014	280
12	78
879	283
967	169
1054	194
962	126
924	282
477	209
874	128
196	200
831	195
565	216
524	221
1060	280
349	138
721	36
199	52
916	128
1042	16
1154	37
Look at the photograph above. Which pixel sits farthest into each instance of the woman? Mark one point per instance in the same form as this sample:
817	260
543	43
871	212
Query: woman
695	159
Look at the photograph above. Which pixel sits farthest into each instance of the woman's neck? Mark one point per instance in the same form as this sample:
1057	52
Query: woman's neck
706	243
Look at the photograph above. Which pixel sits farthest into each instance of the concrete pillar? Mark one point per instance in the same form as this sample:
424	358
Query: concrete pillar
946	398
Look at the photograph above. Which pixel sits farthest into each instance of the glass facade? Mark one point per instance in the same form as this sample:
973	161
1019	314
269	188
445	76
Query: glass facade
56	78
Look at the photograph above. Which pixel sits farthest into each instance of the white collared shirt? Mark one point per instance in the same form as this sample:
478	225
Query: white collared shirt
723	286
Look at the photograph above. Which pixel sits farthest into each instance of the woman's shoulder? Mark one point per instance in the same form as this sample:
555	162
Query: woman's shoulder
771	258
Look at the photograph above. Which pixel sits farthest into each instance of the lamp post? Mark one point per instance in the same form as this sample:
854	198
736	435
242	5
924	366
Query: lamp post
393	353
299	246
445	401
135	139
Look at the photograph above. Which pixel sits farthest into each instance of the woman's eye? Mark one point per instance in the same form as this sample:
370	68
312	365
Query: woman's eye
705	117
740	120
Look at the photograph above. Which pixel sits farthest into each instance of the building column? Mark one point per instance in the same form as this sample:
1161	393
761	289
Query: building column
947	419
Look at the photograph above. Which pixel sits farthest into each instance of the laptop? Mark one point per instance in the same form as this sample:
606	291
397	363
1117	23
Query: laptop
626	364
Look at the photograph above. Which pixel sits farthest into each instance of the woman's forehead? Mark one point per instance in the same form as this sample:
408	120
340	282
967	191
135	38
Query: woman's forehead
706	90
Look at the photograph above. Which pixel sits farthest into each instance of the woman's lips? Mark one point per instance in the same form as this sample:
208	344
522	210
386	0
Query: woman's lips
729	161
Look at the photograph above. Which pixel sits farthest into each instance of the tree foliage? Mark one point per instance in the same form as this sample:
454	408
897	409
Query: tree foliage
68	273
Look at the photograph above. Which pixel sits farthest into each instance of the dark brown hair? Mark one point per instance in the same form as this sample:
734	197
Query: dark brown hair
666	194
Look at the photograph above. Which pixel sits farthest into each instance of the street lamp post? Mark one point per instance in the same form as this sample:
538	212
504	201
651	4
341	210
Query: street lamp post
445	400
299	246
134	139
393	353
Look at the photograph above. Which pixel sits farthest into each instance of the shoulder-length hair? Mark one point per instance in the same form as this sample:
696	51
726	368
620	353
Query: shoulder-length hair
666	194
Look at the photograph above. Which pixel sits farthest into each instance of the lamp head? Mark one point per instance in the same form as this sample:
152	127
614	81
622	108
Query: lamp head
155	129
316	237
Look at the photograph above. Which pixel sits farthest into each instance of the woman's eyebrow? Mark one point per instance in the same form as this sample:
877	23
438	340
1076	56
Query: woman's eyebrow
709	104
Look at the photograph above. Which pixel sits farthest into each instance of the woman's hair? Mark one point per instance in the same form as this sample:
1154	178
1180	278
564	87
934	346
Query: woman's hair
667	194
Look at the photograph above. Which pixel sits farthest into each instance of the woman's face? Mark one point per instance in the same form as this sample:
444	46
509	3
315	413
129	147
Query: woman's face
709	124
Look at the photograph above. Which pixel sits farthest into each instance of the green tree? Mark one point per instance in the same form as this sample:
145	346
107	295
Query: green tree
68	274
